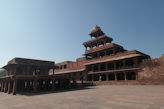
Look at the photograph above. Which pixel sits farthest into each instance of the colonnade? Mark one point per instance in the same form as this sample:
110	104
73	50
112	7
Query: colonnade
131	75
33	84
115	65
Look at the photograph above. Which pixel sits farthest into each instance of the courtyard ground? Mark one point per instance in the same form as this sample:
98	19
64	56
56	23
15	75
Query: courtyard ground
95	97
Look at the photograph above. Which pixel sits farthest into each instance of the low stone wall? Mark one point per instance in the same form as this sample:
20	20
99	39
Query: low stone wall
120	82
152	72
126	82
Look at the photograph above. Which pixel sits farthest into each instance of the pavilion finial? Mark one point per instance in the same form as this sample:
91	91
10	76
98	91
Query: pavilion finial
96	32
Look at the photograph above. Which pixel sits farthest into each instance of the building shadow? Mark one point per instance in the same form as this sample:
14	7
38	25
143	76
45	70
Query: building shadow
56	91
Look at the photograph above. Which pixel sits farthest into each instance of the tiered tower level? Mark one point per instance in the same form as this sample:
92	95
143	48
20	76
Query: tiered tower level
106	61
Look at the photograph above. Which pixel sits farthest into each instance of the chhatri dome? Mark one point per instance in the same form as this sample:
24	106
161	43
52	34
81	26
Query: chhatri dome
96	32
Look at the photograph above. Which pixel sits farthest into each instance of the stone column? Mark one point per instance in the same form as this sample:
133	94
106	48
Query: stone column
28	85
125	76
114	65
124	64
99	67
2	86
106	66
53	84
100	77
35	85
115	76
104	43
14	86
9	87
137	76
113	51
135	62
98	54
105	53
82	81
107	77
74	82
85	48
92	75
6	86
92	67
23	85
48	84
69	84
53	71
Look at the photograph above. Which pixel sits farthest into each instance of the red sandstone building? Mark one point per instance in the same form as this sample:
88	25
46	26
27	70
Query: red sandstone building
104	61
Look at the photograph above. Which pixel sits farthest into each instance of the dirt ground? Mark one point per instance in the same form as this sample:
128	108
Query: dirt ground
94	97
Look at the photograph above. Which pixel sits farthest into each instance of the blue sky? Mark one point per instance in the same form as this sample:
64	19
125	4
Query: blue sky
55	29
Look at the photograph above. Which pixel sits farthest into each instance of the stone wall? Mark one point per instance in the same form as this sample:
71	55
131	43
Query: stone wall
120	82
152	72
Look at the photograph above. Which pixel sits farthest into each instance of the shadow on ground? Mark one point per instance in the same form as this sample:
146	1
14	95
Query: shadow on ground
56	91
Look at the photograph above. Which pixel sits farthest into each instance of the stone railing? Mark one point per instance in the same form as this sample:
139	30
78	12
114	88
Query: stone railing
98	48
112	56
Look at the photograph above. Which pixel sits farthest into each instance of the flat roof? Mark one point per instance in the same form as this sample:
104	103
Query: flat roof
113	59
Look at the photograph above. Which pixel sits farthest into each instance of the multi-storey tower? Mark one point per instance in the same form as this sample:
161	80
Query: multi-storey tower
107	61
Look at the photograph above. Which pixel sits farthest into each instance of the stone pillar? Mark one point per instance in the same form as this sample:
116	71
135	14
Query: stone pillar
60	83
91	47
21	84
106	66
53	84
125	76
14	86
2	86
137	76
124	64
115	76
114	63
107	77
82	81
99	67
74	82
41	86
92	67
135	62
104	43
28	85
98	54
113	51
53	71
69	84
105	53
35	85
92	76
9	87
85	48
6	86
48	84
100	77
92	56
97	45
